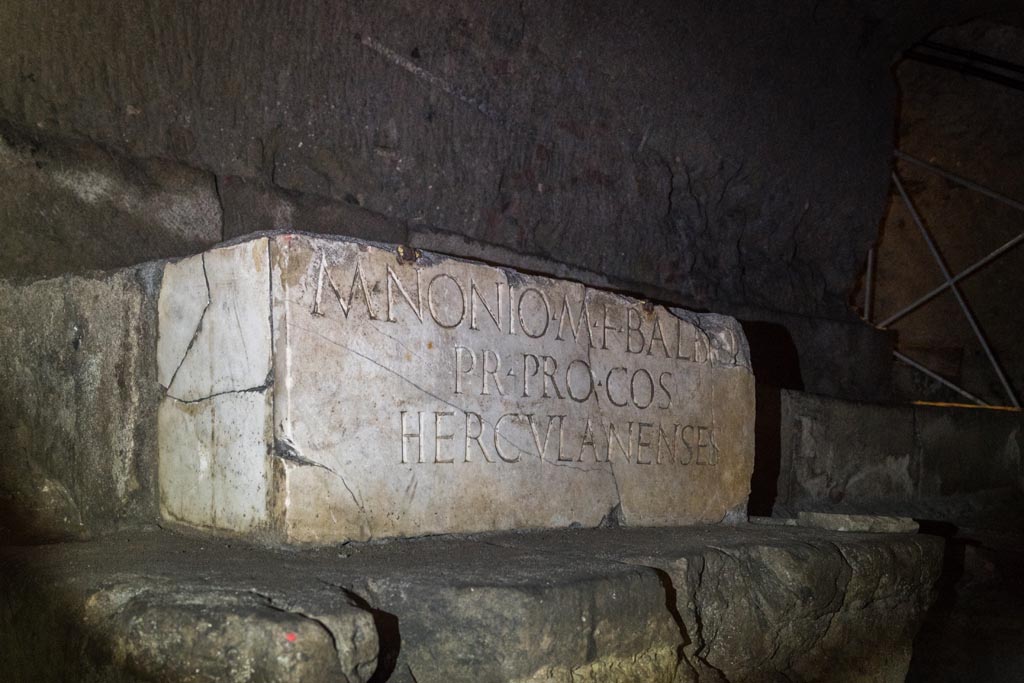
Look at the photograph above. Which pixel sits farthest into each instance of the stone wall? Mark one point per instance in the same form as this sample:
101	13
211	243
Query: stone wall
78	404
720	156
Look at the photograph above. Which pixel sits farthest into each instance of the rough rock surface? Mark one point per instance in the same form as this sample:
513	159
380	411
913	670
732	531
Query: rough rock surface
674	604
872	523
78	403
82	612
518	124
69	207
782	604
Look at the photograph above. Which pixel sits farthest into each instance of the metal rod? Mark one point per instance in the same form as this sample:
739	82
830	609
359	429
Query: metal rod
967	69
869	288
959	179
960	276
937	377
956	290
973	56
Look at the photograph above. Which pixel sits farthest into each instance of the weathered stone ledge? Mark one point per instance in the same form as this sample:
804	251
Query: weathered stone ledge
710	603
905	460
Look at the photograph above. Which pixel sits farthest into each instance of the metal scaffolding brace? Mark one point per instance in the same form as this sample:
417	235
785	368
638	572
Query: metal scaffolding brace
950	279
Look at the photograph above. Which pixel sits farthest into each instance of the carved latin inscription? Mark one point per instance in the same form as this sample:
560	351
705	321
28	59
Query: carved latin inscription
380	392
486	318
499	308
323	390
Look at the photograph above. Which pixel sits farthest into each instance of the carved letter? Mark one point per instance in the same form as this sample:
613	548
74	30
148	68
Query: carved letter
543	447
433	307
645	401
590	381
724	352
346	306
608	387
588	440
687	458
474	292
670	443
680	352
459	364
439	437
392	279
633	322
547	314
705	440
641	444
701	346
527	375
476	437
498	437
319	285
657	336
412	435
492	373
511	310
605	326
549	374
574	326
668	394
627	449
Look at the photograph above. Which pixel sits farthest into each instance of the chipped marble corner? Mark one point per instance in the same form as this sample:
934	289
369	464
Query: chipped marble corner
720	338
214	362
214	326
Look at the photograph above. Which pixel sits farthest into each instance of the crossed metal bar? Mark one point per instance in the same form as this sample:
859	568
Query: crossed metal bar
950	280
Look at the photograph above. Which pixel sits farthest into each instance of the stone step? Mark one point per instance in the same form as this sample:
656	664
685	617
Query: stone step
706	603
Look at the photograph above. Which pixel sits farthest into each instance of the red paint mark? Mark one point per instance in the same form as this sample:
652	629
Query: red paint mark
290	637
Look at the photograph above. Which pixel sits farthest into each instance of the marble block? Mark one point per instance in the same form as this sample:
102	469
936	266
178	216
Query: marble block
323	390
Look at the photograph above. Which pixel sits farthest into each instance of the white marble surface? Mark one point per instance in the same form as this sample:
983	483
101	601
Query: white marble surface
215	461
214	359
181	308
440	395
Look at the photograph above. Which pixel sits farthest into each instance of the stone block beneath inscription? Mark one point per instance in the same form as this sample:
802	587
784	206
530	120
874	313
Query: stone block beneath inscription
322	390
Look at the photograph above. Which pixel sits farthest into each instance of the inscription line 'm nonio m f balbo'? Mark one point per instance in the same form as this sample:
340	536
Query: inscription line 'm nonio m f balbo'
451	302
